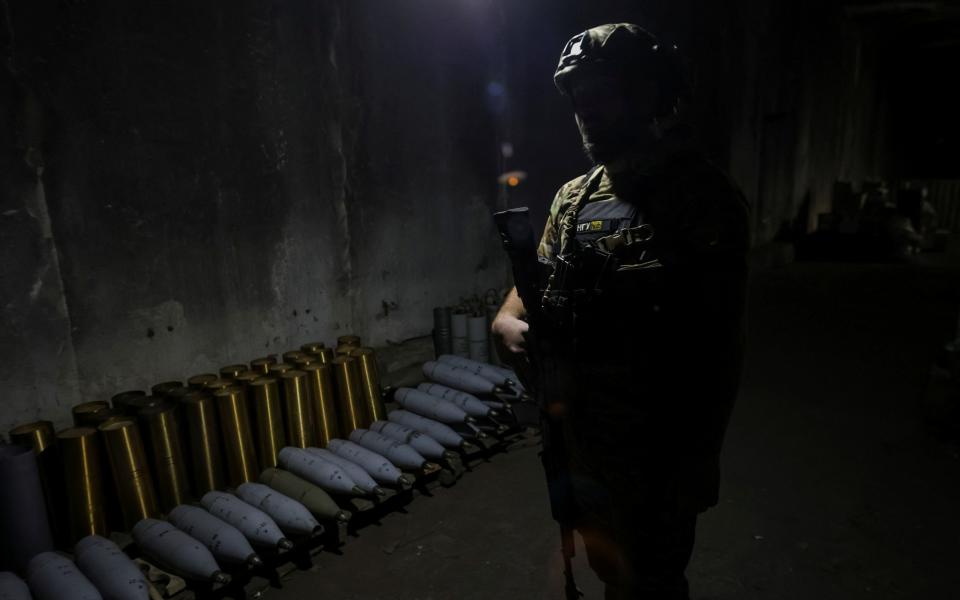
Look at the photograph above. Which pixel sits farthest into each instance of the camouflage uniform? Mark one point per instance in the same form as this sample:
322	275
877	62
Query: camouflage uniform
656	361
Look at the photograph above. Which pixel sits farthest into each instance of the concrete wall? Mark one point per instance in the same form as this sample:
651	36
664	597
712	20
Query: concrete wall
224	180
189	184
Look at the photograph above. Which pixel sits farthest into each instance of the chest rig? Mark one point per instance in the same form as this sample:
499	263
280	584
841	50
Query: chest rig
606	257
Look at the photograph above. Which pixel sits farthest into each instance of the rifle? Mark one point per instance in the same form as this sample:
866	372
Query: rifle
545	377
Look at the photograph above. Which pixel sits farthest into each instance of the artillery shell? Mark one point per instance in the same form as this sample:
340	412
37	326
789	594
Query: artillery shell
84	489
206	459
297	408
431	407
225	541
323	399
313	347
131	472
198	382
292	517
262	365
265	395
38	436
278	369
255	524
12	587
421	442
381	469
237	437
400	454
467	403
121	400
457	378
348	340
231	371
350	405
176	551
317	501
326	355
435	429
83	413
169	468
327	475
55	577
370	383
353	470
490	372
165	387
115	575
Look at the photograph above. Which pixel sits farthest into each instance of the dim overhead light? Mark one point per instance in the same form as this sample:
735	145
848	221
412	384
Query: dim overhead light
512	178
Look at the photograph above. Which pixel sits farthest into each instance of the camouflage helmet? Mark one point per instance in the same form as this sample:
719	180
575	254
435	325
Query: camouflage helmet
626	51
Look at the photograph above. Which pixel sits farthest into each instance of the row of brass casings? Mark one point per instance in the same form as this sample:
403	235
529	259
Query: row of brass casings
163	449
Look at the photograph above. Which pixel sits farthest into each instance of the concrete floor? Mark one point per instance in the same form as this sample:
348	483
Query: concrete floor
833	487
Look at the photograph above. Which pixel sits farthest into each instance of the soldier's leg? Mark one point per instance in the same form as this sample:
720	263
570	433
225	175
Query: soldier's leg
657	547
604	555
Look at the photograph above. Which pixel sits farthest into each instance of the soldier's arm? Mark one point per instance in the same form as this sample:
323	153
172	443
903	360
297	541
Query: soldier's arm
509	326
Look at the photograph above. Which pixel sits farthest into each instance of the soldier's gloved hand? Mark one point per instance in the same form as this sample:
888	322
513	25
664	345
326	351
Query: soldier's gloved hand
508	332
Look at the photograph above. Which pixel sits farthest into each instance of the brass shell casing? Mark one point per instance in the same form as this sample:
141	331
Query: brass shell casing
100	417
206	459
325	355
279	369
216	384
344	350
305	360
131	473
198	382
83	413
262	365
84	482
348	340
163	388
370	383
349	395
271	438
297	409
231	371
133	406
237	438
312	347
120	401
247	376
166	453
37	435
290	357
324	402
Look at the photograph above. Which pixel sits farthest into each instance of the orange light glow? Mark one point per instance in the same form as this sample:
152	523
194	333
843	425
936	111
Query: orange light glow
513	181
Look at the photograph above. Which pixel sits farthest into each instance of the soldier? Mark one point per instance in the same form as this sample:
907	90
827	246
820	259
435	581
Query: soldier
648	259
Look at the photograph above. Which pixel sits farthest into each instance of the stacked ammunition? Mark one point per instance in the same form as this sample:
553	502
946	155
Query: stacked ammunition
462	329
126	463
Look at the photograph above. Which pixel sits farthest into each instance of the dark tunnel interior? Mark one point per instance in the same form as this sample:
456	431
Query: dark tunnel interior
186	185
